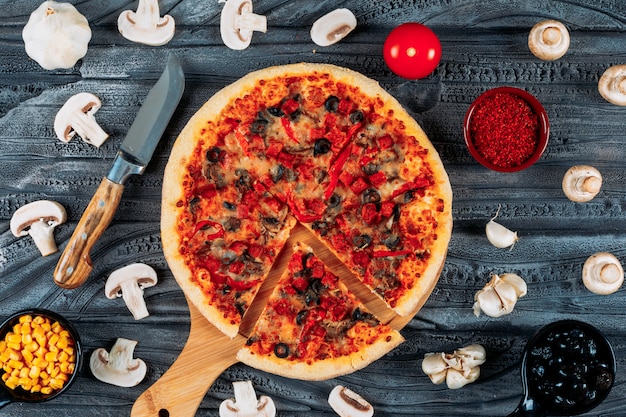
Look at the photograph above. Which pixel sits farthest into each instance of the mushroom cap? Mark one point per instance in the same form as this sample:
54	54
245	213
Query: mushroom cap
47	211
144	275
581	183
238	22
612	85
332	27
56	35
603	273
548	40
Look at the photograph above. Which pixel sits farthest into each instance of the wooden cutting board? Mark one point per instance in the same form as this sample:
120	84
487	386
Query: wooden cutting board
208	352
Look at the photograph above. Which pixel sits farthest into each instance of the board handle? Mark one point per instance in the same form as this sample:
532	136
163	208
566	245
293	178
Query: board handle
179	392
75	265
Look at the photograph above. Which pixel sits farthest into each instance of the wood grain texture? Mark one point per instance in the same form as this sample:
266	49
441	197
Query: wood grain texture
484	46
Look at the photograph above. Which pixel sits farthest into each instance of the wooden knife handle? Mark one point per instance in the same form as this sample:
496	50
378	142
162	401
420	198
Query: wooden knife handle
75	265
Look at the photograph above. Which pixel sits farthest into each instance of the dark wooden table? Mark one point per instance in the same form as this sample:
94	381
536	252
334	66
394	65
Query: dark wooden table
484	46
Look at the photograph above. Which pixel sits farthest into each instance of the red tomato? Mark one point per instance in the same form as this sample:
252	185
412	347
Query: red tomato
412	51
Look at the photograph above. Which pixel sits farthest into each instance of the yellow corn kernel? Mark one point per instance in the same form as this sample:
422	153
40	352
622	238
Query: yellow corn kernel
27	338
24	372
35	388
40	362
44	375
41	352
3	345
5	376
46	390
16	328
71	367
12	382
15	364
25	329
27	356
50	368
63	342
13	338
34	372
31	347
55	371
52	341
26	318
63	357
69	350
15	346
25	383
56	383
38	319
56	327
51	356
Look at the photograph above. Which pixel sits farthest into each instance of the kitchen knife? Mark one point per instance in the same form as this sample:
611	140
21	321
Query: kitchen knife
135	152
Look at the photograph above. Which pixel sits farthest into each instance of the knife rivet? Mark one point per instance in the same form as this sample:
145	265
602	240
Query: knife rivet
70	269
101	203
83	236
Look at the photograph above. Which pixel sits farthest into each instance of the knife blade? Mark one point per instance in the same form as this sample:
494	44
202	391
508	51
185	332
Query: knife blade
136	150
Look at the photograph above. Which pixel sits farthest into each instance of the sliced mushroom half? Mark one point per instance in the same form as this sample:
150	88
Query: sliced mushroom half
38	219
129	282
146	24
118	367
548	40
76	117
348	403
612	85
333	27
238	23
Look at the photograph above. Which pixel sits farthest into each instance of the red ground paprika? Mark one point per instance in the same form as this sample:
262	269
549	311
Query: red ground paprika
505	129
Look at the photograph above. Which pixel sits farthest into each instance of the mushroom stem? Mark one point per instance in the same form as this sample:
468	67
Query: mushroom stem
610	274
42	234
250	22
589	184
146	24
132	294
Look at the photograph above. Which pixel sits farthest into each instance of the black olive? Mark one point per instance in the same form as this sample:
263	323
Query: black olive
370	168
272	224
311	298
281	350
277	172
391	241
321	226
258	126
232	224
408	196
213	154
371	195
275	111
362	241
356	117
194	201
295	114
301	316
322	146
358	315
240	308
229	206
315	285
331	104
305	260
333	201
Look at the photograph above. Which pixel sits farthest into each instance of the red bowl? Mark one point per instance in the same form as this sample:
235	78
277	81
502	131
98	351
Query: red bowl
544	129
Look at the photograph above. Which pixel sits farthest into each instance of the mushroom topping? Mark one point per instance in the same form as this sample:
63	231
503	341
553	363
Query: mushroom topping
118	366
128	282
146	25
457	369
333	27
348	403
237	23
38	219
245	403
499	296
548	40
56	35
603	273
582	183
612	85
76	117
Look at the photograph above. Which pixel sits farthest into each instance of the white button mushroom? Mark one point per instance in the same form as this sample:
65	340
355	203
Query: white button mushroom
245	403
612	85
500	295
146	25
333	27
118	366
129	282
457	369
603	273
56	35
238	22
548	40
582	183
348	403
76	117
38	219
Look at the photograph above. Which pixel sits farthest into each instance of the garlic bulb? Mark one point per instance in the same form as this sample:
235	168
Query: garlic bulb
499	296
457	369
498	235
56	35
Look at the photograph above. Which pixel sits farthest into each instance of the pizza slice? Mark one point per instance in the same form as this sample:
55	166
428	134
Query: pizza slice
313	327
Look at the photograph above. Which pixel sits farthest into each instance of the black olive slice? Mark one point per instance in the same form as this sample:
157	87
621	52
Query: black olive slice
281	350
322	146
213	154
356	117
332	104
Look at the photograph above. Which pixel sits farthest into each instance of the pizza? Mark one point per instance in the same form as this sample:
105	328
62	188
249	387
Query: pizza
311	144
324	331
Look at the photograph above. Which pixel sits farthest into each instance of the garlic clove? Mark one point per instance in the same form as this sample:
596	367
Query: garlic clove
517	282
472	355
488	301
498	235
456	379
434	363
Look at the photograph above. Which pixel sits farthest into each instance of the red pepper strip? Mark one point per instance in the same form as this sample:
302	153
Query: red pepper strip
390	253
353	130
287	126
303	218
206	223
412	185
335	171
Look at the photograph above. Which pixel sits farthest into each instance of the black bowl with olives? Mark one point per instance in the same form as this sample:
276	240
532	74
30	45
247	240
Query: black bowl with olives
568	368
